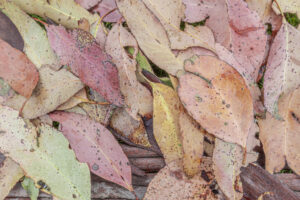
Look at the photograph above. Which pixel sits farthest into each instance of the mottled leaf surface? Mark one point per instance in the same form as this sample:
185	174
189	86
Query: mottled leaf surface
95	145
280	138
283	67
55	166
106	6
87	4
87	60
17	70
150	35
217	97
10	174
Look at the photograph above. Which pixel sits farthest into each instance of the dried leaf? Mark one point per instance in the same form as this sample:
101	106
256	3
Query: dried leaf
32	191
172	184
283	67
99	113
149	34
287	6
87	4
9	32
106	6
95	145
36	45
53	89
170	13
137	97
55	168
10	174
17	70
217	98
166	111
87	61
131	128
78	98
280	138
192	144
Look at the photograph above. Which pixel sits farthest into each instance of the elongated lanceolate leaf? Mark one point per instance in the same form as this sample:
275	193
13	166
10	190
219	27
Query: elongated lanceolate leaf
55	167
95	145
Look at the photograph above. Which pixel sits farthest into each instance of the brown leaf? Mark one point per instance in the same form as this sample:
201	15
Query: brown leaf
87	61
17	70
217	97
280	138
9	32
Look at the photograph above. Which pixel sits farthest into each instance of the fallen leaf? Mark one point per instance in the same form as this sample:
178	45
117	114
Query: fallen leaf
280	138
36	45
137	97
172	184
192	138
106	6
53	89
17	70
78	98
87	60
217	98
99	113
5	90
170	13
87	4
32	191
10	174
55	170
9	32
131	128
95	145
283	67
166	111
150	35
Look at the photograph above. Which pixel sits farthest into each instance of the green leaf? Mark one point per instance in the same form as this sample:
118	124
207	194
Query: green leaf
32	191
52	165
292	18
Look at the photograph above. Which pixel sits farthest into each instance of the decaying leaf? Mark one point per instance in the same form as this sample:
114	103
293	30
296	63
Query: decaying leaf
287	6
17	70
99	113
53	89
170	13
32	191
150	35
87	61
55	168
283	67
192	144
280	138
9	33
10	174
131	128
217	97
95	145
36	45
78	98
172	184
87	4
166	111
137	97
106	6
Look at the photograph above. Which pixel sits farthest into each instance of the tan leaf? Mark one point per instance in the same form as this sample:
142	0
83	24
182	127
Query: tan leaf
166	111
280	138
172	184
10	174
150	35
137	97
192	143
78	98
217	97
170	13
131	128
100	113
53	89
36	47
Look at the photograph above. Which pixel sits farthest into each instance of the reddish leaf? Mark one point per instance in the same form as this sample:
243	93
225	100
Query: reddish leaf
17	70
95	145
87	4
104	7
87	61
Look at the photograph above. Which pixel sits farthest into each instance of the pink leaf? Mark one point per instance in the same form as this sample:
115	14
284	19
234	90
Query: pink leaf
79	49
17	70
96	146
87	4
104	7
